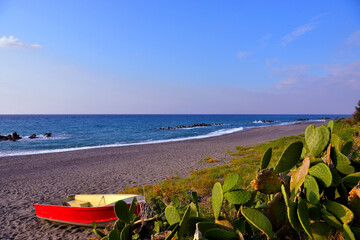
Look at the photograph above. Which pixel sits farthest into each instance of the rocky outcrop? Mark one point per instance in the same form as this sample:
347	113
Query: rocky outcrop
302	119
11	137
33	136
267	121
14	136
192	126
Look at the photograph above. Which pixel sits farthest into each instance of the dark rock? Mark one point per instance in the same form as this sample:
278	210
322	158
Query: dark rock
15	136
33	136
192	126
47	134
325	118
4	138
302	119
267	121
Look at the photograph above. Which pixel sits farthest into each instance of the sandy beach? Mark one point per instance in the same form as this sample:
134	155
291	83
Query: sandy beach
41	178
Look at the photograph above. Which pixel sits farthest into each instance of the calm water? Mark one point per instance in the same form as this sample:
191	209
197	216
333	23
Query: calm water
89	131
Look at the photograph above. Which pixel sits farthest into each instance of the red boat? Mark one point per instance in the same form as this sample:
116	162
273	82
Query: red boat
83	210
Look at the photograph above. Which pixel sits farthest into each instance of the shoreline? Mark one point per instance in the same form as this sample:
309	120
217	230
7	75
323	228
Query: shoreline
42	178
114	145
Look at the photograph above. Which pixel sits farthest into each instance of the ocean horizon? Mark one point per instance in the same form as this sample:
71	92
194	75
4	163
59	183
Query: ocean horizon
85	131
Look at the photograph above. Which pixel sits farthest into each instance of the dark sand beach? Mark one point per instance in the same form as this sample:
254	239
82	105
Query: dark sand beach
26	180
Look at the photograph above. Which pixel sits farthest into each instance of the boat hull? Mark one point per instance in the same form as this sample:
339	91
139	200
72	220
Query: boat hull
81	216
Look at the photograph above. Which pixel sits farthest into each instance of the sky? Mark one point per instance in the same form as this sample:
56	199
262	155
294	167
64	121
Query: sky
179	57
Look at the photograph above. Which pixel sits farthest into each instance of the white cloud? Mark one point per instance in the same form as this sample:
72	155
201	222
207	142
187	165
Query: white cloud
354	39
297	32
12	42
243	54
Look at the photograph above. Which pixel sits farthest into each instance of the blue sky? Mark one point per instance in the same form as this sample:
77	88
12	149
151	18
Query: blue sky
179	57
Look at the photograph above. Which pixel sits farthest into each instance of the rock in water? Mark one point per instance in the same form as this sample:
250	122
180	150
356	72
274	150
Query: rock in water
15	136
33	136
47	134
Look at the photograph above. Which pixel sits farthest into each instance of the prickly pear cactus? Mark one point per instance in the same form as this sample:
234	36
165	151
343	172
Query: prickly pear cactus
298	177
172	215
265	160
216	234
317	139
289	157
312	189
238	196
320	230
303	215
217	199
267	181
340	211
122	211
231	182
331	126
321	172
331	219
258	220
342	163
346	149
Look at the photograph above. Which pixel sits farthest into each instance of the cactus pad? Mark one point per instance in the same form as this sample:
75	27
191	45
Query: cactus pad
275	211
114	235
348	234
303	215
133	206
317	139
172	215
259	220
217	199
289	157
312	189
354	200
267	181
342	163
298	177
238	196
322	172
340	211
320	230
122	211
184	222
331	219
346	149
331	126
216	233
351	180
335	141
231	182
265	160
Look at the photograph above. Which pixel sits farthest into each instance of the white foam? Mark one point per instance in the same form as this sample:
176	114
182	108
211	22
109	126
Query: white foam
212	134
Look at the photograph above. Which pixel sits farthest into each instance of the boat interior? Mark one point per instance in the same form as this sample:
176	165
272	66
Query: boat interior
98	200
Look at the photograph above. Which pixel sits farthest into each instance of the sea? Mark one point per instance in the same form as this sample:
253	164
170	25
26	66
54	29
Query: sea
75	132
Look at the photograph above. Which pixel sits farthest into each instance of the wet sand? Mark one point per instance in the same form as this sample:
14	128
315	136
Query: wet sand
41	178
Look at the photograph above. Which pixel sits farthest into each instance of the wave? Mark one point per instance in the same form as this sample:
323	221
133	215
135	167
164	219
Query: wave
211	134
44	138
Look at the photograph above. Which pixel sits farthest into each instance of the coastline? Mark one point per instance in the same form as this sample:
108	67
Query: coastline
216	133
28	179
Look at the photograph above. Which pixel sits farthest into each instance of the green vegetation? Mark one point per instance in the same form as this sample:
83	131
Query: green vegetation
305	187
356	114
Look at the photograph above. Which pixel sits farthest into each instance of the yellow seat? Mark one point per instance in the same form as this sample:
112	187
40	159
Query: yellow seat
78	203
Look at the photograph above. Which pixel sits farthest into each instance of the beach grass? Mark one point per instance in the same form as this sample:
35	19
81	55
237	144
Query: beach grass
244	161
